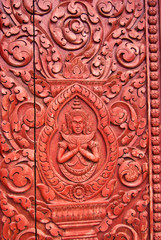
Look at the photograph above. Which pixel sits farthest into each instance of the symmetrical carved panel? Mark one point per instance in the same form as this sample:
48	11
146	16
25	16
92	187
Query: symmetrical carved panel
80	126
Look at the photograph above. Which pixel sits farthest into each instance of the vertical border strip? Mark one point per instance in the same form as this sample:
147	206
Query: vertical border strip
34	116
149	125
153	63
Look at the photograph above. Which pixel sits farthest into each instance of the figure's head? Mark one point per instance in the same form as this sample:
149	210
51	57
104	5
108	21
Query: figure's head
76	120
77	124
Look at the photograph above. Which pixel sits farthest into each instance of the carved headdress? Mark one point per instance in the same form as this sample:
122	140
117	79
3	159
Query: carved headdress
76	110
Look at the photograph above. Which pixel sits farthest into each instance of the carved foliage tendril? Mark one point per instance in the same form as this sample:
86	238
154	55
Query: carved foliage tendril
76	27
72	23
133	168
116	204
16	171
18	127
136	217
16	45
12	220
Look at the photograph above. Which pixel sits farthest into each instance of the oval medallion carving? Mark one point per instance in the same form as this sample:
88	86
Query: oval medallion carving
77	149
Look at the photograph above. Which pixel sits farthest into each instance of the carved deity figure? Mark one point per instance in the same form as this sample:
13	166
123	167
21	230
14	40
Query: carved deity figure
77	151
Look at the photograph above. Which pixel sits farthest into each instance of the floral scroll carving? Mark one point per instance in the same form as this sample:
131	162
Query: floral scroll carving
77	145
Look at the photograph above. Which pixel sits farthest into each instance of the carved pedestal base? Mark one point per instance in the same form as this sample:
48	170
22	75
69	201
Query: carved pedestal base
79	220
80	233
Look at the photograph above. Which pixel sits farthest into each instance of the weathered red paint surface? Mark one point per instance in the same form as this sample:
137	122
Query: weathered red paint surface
80	132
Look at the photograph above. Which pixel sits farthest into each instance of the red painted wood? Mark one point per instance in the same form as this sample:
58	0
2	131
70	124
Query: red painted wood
80	131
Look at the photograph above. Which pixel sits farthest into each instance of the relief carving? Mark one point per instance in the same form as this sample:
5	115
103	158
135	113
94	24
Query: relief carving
86	153
77	143
78	151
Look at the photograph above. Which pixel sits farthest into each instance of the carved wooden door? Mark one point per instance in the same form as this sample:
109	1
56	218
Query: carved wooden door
80	123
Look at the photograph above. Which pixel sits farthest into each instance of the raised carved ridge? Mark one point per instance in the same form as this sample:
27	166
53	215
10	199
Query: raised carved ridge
154	73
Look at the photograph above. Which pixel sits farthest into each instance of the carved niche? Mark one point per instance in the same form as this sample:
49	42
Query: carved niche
80	136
